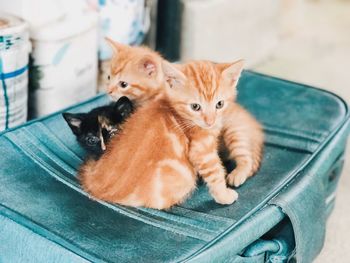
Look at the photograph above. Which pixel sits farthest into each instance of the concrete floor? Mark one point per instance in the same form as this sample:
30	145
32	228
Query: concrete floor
319	54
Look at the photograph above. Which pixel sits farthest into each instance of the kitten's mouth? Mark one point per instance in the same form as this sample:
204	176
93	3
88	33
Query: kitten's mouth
209	127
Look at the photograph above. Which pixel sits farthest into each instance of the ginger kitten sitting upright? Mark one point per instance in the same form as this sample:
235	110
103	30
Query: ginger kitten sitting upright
241	138
155	160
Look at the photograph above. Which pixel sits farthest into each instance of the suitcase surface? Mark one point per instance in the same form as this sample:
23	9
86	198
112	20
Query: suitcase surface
281	212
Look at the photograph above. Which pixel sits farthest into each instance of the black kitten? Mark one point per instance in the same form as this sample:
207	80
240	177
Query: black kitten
94	129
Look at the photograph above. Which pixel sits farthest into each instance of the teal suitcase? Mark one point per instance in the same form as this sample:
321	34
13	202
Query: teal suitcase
280	215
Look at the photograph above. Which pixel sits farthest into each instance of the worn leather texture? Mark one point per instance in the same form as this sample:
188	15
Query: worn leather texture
44	213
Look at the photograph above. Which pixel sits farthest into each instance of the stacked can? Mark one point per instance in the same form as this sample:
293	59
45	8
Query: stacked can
14	55
64	64
126	21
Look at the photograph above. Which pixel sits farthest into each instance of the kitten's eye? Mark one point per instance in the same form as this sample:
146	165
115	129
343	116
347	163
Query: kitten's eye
195	106
91	141
109	77
220	104
123	84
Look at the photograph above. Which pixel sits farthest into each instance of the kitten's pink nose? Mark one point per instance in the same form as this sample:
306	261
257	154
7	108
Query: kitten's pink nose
209	120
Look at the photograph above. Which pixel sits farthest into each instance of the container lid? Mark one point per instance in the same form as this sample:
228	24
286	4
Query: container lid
66	27
10	24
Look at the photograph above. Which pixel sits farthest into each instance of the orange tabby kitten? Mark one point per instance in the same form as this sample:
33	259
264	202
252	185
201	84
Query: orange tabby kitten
242	137
140	88
164	144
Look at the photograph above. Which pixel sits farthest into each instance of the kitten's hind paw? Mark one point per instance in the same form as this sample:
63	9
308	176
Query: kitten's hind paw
226	197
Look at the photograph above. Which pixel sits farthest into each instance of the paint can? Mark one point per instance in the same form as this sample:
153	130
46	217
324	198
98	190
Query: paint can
37	13
64	63
126	21
14	55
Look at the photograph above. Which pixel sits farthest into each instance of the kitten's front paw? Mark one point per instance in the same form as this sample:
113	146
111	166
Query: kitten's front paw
236	179
226	197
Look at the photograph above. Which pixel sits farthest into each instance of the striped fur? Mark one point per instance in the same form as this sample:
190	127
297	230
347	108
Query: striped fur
140	68
168	141
242	137
243	141
163	145
207	84
146	165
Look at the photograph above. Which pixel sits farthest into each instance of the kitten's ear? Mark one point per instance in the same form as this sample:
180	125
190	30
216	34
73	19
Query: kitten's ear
232	73
148	66
74	121
124	107
116	47
173	75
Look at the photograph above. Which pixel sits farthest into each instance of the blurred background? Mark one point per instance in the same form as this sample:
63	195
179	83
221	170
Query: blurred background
53	54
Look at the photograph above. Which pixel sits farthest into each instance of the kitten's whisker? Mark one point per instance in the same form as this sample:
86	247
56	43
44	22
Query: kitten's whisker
186	125
182	126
